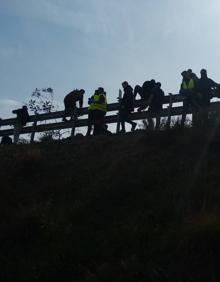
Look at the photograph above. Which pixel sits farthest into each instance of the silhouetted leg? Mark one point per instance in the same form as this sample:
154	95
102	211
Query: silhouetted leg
89	129
128	119
157	121
150	122
122	126
90	122
185	109
122	117
68	112
17	131
143	107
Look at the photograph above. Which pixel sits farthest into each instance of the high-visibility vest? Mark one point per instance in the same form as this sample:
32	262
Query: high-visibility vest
95	105
188	86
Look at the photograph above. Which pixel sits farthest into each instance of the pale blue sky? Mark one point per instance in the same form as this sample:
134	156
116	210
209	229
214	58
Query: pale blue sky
67	44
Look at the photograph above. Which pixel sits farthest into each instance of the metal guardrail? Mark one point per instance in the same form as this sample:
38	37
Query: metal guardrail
34	119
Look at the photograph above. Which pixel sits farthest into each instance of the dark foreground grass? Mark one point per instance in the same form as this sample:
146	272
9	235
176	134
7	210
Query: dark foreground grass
134	207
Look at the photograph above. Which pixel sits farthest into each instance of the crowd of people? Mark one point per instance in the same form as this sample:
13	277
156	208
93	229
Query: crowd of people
150	92
196	93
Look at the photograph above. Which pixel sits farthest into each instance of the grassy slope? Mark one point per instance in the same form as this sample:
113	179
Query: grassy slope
135	207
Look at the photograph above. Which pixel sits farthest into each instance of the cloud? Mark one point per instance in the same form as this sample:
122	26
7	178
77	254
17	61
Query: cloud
92	16
6	107
63	13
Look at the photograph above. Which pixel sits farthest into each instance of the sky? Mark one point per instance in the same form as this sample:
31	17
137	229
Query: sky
68	44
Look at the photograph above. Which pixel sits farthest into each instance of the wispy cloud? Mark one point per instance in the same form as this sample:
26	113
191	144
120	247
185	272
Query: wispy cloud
98	16
62	13
6	107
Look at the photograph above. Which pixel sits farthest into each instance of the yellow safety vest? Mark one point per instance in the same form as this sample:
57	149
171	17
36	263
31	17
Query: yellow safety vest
188	86
95	105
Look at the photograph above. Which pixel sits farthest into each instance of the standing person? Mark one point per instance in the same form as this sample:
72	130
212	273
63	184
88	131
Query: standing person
21	120
70	102
204	91
126	107
97	111
155	105
187	89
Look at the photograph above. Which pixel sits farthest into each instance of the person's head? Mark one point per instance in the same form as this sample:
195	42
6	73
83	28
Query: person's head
158	85
203	73
24	107
153	81
101	90
190	71
137	89
97	92
185	74
82	91
124	84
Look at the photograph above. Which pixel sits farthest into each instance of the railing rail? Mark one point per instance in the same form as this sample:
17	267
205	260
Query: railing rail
171	110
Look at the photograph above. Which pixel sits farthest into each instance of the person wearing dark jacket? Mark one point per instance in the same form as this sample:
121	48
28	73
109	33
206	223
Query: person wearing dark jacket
126	107
70	103
204	89
22	115
144	92
155	102
192	75
21	120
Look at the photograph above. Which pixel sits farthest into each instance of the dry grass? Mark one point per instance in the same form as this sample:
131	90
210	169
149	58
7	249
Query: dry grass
133	207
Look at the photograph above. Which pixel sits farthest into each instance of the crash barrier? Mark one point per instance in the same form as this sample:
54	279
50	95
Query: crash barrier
37	123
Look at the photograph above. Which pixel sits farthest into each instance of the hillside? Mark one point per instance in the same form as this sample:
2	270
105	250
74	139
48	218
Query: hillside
135	207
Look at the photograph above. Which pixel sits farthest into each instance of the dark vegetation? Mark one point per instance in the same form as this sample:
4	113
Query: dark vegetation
135	207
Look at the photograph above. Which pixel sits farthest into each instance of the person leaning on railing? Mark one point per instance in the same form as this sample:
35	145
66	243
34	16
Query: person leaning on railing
144	92
70	103
21	120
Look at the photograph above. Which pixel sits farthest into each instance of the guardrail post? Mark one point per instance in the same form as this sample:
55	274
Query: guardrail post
118	118
34	128
169	111
74	122
17	130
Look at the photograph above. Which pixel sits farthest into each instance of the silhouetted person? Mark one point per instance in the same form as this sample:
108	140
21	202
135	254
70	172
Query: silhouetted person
126	107
70	103
21	120
204	90
144	92
138	90
192	75
155	105
6	140
187	89
97	111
